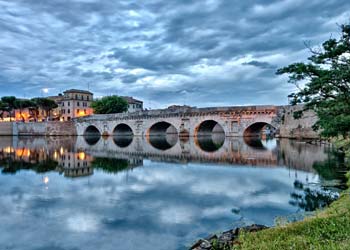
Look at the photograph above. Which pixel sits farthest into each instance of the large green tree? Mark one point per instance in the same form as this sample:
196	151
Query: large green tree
110	105
323	84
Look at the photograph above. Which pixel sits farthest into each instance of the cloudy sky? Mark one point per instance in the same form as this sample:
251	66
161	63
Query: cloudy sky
202	53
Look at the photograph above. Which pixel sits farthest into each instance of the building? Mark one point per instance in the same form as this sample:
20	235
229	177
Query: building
56	113
134	105
76	103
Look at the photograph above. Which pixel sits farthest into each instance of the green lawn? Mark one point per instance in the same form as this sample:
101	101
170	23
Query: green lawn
328	229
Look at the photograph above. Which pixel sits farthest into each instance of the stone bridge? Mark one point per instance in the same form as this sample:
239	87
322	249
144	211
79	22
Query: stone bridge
192	122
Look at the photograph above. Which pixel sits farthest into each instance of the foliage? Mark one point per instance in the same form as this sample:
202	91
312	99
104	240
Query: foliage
327	84
3	109
9	101
12	166
45	104
332	169
110	105
8	104
311	199
110	165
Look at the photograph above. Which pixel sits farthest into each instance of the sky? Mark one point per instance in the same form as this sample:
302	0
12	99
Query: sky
200	53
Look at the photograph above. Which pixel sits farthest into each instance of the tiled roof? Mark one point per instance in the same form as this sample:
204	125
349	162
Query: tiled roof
131	100
78	91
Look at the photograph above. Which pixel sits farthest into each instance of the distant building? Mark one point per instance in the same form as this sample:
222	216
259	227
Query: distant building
134	105
76	103
180	107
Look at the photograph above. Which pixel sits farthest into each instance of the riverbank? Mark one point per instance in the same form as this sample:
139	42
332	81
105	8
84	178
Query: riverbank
326	229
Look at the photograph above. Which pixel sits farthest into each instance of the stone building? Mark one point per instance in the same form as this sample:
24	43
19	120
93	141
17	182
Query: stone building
134	105
76	103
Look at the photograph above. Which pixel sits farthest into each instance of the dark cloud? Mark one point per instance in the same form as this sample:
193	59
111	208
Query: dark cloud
165	52
263	65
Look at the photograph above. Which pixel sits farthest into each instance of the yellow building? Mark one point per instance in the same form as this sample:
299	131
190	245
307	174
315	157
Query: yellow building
76	103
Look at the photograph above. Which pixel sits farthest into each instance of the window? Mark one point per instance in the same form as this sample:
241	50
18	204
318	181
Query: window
68	104
77	111
87	98
62	104
68	111
76	96
85	111
78	104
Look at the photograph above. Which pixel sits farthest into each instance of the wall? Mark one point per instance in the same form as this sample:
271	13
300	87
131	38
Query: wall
297	128
37	128
5	128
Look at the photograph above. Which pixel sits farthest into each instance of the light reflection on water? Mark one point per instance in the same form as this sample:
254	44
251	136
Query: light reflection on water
161	193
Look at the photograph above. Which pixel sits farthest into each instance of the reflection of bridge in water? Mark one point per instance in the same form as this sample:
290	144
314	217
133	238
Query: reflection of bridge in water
212	149
78	156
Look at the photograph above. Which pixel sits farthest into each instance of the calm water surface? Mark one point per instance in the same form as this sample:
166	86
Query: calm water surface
129	193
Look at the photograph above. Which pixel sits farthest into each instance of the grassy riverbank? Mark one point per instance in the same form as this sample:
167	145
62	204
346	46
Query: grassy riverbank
327	229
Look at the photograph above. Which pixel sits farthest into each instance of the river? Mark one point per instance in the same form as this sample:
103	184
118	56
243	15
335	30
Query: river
75	193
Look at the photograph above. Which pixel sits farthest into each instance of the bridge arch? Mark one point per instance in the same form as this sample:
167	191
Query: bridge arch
162	128
92	131
208	128
123	129
162	135
258	129
92	135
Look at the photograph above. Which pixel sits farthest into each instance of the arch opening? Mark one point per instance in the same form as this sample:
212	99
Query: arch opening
260	129
92	135
162	135
161	129
209	127
123	135
123	129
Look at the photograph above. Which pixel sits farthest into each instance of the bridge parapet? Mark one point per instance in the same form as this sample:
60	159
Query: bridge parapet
188	112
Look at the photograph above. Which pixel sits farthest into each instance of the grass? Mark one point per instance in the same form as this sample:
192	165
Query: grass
327	229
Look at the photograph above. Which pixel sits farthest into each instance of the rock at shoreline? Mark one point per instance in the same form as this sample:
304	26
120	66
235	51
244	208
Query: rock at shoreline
227	238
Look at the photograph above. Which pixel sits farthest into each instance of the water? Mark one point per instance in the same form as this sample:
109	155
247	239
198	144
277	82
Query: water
129	193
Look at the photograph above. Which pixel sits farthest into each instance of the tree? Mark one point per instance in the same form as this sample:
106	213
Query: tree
9	102
46	104
3	109
23	104
109	105
326	79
